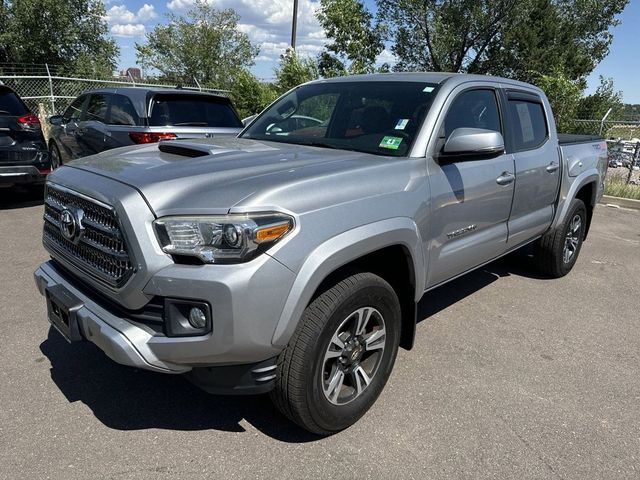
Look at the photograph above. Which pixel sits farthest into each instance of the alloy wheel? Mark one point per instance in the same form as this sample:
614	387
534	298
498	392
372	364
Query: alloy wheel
572	239
353	356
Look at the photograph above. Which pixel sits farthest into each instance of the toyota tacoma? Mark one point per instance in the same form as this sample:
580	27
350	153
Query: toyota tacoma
291	259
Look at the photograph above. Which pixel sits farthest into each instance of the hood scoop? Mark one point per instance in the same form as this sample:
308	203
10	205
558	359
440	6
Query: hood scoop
189	149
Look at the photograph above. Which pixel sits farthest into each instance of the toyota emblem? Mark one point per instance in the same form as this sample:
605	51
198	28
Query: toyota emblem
71	225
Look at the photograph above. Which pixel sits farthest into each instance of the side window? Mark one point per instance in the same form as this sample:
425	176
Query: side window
122	112
529	124
473	109
73	112
96	109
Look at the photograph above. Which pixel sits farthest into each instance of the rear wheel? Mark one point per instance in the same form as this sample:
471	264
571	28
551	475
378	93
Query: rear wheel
340	356
54	155
557	251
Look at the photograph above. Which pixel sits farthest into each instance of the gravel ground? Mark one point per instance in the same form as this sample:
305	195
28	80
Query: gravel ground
512	376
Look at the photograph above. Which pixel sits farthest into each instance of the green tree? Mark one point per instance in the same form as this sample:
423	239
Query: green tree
355	40
250	95
293	70
596	105
204	44
330	65
442	35
564	96
70	34
520	39
3	28
567	35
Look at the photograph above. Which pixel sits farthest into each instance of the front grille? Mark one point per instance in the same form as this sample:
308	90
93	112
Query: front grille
98	247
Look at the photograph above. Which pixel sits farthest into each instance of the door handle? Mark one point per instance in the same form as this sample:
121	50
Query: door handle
506	178
552	167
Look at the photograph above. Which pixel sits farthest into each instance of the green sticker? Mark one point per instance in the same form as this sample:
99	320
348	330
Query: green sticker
428	89
391	143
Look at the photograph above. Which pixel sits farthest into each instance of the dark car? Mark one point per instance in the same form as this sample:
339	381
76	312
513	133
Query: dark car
108	118
23	151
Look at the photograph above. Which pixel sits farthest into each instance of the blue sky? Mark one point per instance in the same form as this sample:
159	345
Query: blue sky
268	24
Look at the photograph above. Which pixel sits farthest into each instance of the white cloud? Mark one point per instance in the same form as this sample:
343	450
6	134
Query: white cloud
128	30
146	13
119	15
180	4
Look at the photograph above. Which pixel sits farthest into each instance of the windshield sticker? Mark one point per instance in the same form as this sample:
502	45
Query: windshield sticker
392	143
428	89
402	123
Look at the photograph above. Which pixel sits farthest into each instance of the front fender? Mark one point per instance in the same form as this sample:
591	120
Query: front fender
339	251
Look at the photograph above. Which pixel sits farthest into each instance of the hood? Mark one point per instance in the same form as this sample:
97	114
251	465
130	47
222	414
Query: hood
243	173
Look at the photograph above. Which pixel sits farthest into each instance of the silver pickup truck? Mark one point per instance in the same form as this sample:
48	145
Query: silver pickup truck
291	259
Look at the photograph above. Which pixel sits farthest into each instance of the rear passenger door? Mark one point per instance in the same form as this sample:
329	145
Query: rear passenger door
92	125
471	195
537	164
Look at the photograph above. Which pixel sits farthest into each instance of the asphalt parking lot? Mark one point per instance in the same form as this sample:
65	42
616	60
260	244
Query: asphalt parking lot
513	376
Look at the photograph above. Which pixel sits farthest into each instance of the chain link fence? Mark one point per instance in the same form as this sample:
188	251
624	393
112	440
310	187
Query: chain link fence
47	94
609	129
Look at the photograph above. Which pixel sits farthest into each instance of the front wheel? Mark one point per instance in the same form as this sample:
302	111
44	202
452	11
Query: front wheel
340	356
54	155
557	251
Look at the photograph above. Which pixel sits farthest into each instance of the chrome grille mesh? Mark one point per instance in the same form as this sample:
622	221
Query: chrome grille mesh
101	250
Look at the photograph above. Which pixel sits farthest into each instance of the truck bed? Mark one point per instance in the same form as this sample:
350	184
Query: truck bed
570	139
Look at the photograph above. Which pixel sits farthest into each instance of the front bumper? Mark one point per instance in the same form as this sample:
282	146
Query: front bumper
245	310
120	340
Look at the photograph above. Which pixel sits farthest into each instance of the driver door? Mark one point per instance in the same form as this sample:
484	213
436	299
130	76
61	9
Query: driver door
471	194
69	138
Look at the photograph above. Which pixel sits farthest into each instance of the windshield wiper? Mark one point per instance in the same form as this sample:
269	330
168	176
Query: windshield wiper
319	144
191	124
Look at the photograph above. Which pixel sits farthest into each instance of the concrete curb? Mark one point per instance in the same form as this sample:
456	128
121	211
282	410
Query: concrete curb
621	202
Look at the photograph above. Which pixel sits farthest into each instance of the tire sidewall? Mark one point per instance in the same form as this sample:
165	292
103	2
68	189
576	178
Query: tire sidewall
332	417
54	148
578	208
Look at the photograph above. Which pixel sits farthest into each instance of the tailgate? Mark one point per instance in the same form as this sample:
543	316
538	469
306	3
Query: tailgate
19	142
16	144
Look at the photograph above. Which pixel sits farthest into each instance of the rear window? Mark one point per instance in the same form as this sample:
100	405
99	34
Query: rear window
529	124
192	111
10	104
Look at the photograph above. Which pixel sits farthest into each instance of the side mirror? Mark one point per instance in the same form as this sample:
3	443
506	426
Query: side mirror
55	120
474	142
248	120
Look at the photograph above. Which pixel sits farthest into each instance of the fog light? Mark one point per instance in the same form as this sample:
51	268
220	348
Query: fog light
197	318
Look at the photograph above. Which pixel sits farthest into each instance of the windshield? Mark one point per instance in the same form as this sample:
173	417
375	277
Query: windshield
373	117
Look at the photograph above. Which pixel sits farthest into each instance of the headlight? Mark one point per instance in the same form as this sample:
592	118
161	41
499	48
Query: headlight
222	239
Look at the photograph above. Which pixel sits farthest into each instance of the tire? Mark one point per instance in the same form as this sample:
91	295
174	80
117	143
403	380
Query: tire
54	155
557	251
305	390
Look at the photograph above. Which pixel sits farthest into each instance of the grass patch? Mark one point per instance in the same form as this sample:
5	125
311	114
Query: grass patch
618	187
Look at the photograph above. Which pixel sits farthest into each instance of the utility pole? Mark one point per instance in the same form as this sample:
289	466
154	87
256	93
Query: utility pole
294	24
